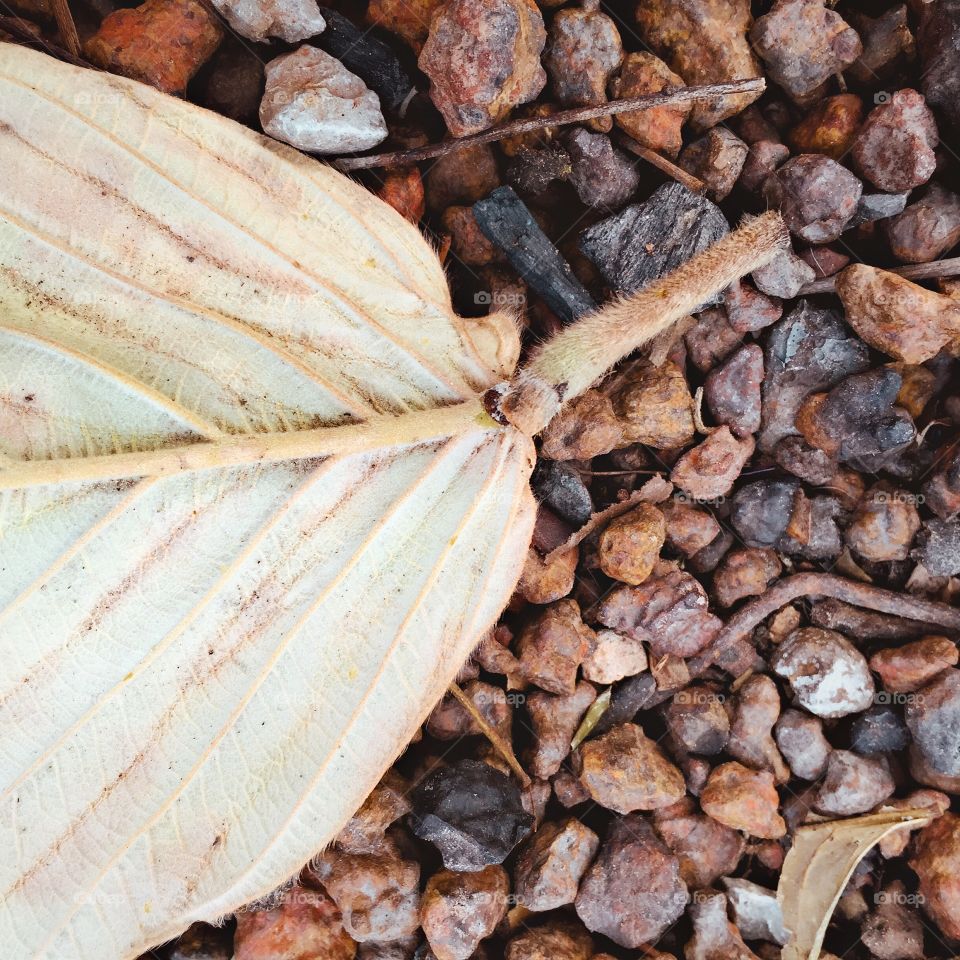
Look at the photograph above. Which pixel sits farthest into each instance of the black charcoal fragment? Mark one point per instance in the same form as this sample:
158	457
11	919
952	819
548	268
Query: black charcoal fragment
647	240
364	54
505	220
472	813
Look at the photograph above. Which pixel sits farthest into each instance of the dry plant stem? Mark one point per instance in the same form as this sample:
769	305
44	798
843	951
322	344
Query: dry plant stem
401	158
740	625
578	356
662	164
499	744
20	30
918	271
66	27
655	490
372	434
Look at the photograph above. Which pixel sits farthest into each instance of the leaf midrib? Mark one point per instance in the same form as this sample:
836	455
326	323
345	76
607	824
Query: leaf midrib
248	449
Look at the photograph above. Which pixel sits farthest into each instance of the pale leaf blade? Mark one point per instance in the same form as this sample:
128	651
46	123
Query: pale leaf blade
207	667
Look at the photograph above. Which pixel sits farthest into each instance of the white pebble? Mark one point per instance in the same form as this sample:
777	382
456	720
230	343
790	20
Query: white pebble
314	102
290	20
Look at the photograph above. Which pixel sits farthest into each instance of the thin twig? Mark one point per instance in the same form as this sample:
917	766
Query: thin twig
918	271
897	604
22	33
499	744
402	158
655	490
66	27
662	164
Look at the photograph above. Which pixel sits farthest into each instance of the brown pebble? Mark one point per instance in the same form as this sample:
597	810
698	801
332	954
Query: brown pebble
378	896
887	44
709	470
462	177
748	310
305	923
697	720
884	525
744	799
470	243
894	929
689	529
732	391
899	318
587	427
669	612
551	865
895	147
816	195
756	710
825	261
926	229
655	407
569	789
613	657
162	42
763	158
543	581
555	720
483	59
403	190
633	892
714	936
716	159
624	770
630	544
830	127
853	784
552	647
744	573
799	736
364	832
450	719
408	19
660	128
461	909
583	51
909	667
803	43
707	850
705	41
936	861
712	340
557	940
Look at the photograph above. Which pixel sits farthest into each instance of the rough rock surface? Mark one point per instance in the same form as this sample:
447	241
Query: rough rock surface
313	102
633	890
827	673
624	770
483	59
289	20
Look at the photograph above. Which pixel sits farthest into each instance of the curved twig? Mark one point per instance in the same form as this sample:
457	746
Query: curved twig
402	158
897	604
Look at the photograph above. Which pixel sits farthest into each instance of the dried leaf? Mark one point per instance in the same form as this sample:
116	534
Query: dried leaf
196	692
818	866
